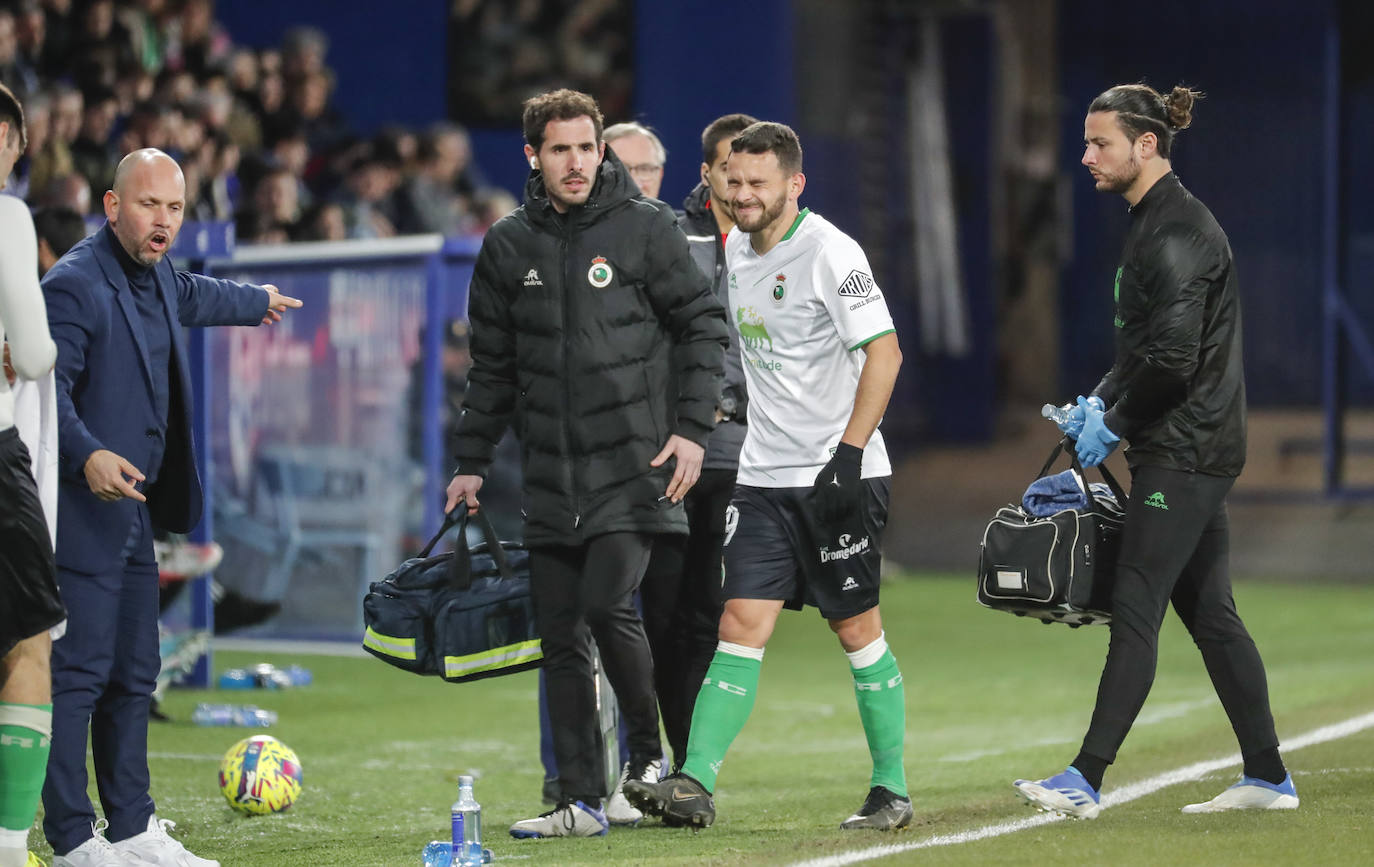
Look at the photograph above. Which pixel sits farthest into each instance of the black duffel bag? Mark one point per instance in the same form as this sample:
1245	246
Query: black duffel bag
461	616
1060	568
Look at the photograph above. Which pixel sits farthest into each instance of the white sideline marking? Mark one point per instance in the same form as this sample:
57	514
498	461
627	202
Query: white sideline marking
1126	793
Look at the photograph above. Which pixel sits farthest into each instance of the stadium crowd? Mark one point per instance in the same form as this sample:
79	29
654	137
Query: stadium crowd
254	130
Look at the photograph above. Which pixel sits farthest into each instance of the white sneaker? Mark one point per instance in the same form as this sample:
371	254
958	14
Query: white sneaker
156	846
95	852
1251	793
619	811
568	820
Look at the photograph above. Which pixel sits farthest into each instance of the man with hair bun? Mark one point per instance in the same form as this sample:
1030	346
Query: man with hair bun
1177	391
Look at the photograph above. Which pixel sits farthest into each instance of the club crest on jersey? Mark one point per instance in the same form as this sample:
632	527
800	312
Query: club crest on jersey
856	285
779	289
600	274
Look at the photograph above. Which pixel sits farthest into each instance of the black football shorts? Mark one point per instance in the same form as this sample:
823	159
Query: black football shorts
776	549
29	601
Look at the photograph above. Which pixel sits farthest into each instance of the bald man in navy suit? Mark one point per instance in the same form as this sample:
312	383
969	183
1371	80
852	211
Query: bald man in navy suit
116	308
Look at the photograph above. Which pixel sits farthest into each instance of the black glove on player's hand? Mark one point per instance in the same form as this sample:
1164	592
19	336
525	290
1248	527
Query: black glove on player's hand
836	492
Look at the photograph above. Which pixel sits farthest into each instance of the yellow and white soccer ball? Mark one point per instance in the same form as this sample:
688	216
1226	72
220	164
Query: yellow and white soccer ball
260	775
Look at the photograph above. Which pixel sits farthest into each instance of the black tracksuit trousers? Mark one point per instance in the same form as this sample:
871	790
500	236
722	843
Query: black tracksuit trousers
581	593
1175	548
682	604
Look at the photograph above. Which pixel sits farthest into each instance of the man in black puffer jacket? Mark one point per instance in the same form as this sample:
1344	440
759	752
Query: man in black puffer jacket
598	338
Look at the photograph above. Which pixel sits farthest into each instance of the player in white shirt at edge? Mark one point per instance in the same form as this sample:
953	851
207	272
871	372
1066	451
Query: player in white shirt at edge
804	527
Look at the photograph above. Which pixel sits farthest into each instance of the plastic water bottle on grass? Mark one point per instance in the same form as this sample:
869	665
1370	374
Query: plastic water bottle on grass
467	826
439	853
245	715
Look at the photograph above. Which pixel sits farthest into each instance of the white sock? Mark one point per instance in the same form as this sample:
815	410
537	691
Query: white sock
14	847
740	650
869	653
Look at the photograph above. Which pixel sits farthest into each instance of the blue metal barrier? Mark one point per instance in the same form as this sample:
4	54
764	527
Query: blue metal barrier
308	430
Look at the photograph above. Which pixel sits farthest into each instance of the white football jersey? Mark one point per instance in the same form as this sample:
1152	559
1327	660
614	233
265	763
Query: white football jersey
802	310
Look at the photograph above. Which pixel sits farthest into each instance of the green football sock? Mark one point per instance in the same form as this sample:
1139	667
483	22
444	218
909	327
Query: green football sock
722	708
25	733
882	708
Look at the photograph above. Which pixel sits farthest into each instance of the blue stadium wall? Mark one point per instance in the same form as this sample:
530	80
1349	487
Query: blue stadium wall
1256	154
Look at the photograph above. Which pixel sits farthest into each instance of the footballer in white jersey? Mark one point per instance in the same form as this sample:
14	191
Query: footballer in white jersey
806	520
802	310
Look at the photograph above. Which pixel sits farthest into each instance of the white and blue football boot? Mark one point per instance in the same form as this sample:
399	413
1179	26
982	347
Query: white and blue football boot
1067	794
1251	793
569	819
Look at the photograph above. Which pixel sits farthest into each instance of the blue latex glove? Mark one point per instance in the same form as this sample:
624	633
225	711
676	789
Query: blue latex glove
1095	441
1069	418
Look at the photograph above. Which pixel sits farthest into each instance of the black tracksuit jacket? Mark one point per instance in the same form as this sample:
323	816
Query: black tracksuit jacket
598	338
1176	390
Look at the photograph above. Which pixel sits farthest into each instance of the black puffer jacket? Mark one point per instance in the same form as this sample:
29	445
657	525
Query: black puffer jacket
709	254
575	319
1177	388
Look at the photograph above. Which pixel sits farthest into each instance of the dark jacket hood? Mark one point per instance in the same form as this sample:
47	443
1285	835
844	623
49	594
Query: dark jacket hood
696	205
613	187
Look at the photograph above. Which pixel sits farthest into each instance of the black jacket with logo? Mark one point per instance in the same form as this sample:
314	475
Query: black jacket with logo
722	452
1177	388
598	338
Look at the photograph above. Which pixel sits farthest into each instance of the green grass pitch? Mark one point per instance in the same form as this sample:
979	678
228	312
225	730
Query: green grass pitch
989	698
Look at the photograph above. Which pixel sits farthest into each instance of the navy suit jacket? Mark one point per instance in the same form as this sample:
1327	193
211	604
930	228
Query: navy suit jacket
105	392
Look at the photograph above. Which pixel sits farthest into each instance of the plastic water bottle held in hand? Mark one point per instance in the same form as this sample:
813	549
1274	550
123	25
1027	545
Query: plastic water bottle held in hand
245	715
467	826
1060	415
1068	417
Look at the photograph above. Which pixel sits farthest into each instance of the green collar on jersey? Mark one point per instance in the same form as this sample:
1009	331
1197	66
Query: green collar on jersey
795	223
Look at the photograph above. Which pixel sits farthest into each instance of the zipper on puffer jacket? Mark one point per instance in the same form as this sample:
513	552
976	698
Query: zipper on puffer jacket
565	424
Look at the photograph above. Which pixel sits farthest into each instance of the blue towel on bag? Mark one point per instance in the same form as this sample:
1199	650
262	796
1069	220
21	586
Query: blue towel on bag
1051	494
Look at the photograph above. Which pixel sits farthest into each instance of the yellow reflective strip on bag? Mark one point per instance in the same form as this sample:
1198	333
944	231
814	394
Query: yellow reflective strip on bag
488	660
401	648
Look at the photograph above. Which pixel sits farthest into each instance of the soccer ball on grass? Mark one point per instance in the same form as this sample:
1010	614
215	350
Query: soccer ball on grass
260	775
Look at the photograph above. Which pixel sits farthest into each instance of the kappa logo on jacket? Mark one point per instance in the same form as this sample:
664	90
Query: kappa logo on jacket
532	278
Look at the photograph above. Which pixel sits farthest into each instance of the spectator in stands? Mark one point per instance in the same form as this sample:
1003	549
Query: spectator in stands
429	200
43	159
275	197
642	153
303	52
69	191
58	230
133	85
67	105
149	127
100	40
323	222
57	41
196	42
31	29
368	188
489	206
91	154
21	78
308	102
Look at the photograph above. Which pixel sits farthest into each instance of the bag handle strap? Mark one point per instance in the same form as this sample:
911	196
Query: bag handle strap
457	518
460	567
1065	445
